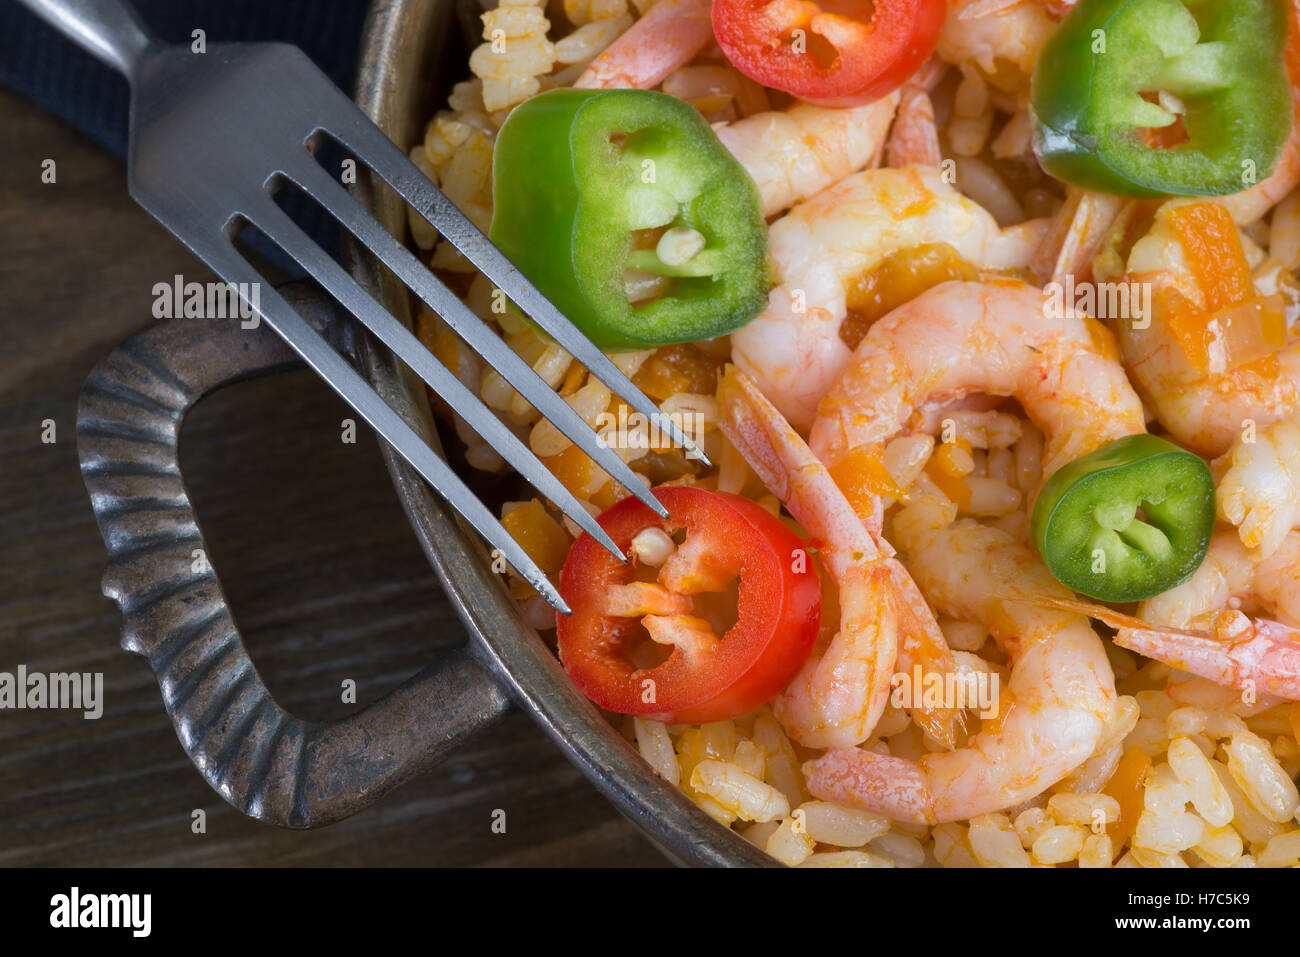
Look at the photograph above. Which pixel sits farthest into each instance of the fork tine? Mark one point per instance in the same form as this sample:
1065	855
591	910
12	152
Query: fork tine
286	234
395	168
310	177
349	384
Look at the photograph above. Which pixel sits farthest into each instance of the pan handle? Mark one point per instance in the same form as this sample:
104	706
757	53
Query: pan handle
267	763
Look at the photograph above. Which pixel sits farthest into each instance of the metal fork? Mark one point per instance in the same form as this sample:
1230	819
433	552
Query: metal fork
214	135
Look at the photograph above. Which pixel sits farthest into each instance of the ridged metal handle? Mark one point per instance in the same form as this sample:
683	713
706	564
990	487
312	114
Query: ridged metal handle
109	29
263	760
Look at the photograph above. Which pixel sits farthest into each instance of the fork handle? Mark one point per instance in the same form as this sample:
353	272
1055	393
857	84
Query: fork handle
111	30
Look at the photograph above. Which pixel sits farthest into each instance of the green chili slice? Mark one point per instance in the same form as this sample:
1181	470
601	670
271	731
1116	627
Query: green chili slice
1128	521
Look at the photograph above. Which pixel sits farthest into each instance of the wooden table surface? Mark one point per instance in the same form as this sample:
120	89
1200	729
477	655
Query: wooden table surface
323	573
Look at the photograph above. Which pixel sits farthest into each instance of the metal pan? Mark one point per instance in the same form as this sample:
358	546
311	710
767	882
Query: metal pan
264	761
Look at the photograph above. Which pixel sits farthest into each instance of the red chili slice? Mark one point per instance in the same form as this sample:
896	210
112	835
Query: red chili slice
832	53
704	678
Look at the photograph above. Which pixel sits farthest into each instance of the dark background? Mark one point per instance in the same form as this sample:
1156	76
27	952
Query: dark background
315	555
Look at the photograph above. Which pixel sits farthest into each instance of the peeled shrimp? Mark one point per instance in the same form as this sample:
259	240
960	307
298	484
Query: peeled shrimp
667	37
1260	489
1060	695
1232	577
794	350
839	695
914	140
1000	38
995	338
1205	411
796	153
1201	626
1076	235
1251	204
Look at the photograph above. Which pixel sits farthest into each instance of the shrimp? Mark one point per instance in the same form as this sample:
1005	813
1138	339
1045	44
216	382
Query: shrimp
1232	577
995	338
914	140
794	154
840	693
1204	410
1060	695
666	38
1251	204
1078	231
1001	39
1260	489
794	350
1201	626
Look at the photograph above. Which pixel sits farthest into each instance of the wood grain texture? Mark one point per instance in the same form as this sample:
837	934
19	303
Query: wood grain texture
322	571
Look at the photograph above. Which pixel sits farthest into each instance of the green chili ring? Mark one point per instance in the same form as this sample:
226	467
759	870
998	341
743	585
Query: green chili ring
1128	521
1223	58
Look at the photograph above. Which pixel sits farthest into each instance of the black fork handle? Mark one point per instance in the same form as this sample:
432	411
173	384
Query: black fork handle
267	763
110	30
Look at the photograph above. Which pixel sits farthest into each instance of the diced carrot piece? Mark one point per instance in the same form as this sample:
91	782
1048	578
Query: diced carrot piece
543	538
861	476
1213	247
1125	786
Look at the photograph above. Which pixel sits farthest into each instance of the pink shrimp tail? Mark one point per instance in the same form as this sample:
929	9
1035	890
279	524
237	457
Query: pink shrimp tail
1265	659
877	783
1259	655
662	41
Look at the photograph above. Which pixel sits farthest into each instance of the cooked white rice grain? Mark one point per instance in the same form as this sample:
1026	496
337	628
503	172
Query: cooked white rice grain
656	747
1281	851
1029	459
1261	778
991	497
905	457
1219	846
584	43
846	859
742	794
1098	851
1059	843
1148	735
750	758
1164	795
782	762
715	810
1148	858
1253	826
902	849
995	843
1189	720
790	845
1121	724
1085	809
1194	773
1272	721
759	834
1030	825
580	12
829	823
1168	834
963	635
951	848
1091	776
1155	704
